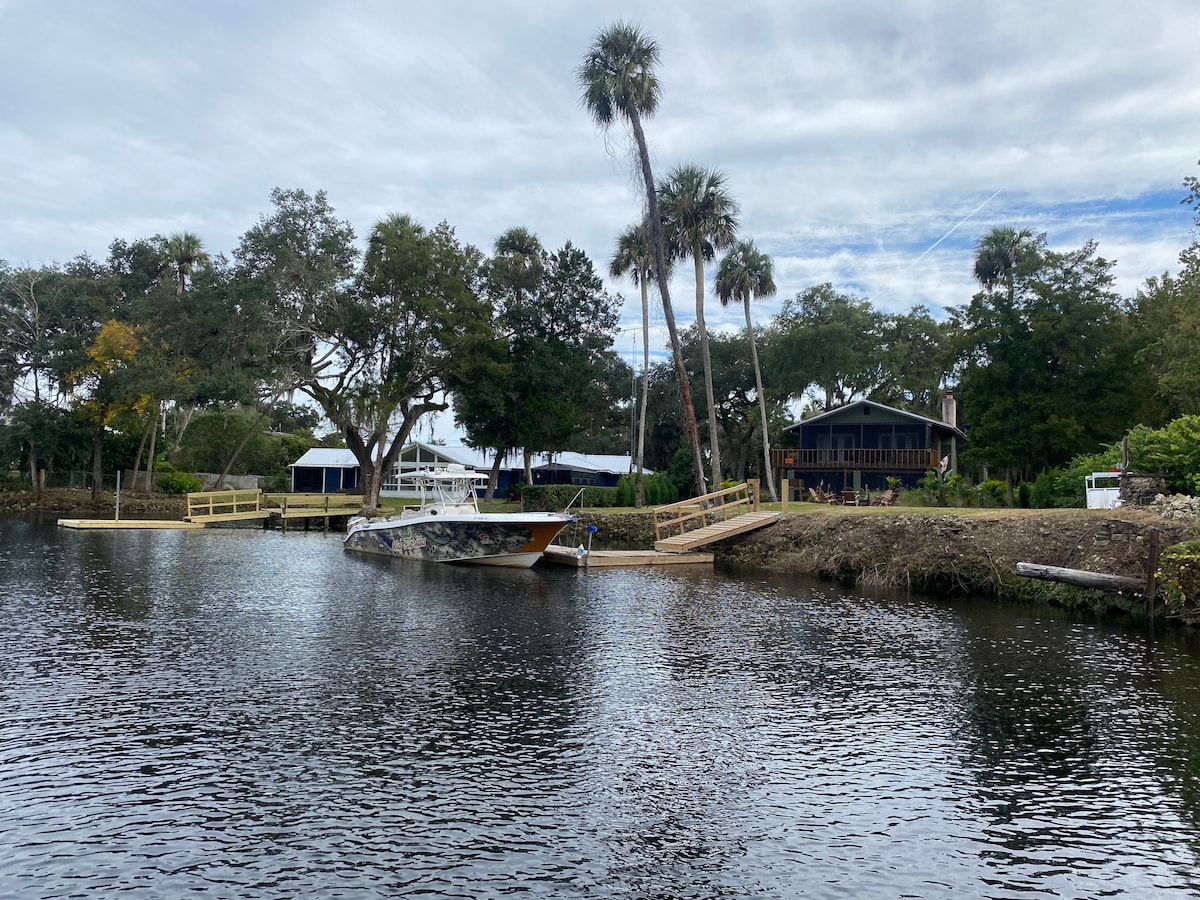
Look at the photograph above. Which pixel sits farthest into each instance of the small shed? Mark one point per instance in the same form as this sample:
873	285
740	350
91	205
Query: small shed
325	470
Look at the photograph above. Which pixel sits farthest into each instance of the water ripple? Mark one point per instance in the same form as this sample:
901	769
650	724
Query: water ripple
237	713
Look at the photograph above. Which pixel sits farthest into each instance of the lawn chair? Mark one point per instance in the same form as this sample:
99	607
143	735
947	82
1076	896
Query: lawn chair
849	497
887	498
820	496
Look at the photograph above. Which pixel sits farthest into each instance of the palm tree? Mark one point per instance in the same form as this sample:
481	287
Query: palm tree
517	259
700	218
634	258
185	251
997	255
747	273
619	82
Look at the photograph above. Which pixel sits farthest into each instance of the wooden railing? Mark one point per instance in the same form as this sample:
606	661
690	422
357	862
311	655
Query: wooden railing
228	506
831	459
302	506
697	512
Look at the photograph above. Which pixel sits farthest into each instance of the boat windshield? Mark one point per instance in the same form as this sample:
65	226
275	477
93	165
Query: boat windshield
445	486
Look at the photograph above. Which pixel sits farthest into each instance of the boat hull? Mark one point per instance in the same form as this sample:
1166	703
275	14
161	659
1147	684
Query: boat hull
514	541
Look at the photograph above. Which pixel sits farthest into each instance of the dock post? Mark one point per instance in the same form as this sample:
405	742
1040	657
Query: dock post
784	494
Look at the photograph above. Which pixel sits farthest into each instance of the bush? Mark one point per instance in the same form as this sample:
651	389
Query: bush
178	483
557	497
1179	577
659	490
1173	450
992	493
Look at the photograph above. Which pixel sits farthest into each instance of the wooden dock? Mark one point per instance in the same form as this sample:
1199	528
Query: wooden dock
680	527
212	507
612	559
127	524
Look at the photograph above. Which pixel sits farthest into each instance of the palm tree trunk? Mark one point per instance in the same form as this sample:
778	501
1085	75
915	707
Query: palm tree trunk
714	440
639	498
768	475
660	272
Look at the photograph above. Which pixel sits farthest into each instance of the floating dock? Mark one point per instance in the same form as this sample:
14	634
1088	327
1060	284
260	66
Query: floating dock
128	524
611	559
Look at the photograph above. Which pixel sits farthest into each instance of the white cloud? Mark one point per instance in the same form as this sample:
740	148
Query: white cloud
853	136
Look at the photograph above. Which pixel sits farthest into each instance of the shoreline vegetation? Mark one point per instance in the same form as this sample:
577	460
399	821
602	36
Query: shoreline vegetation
941	551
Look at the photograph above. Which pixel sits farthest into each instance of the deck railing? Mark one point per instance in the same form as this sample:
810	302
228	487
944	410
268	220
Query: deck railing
686	515
830	459
215	506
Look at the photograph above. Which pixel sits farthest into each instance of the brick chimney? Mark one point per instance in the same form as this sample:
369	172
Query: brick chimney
950	410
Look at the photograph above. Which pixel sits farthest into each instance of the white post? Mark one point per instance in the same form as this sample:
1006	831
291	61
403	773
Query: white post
117	514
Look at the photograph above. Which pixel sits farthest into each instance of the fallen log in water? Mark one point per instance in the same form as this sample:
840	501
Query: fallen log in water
1081	578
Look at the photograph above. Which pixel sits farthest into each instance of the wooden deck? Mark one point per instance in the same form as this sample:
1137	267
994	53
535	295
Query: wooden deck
206	507
680	527
612	559
127	524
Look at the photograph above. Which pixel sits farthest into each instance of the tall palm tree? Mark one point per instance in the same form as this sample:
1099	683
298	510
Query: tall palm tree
997	255
185	251
634	258
746	273
517	259
619	82
700	218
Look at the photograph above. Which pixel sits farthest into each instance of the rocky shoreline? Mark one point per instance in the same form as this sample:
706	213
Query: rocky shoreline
938	551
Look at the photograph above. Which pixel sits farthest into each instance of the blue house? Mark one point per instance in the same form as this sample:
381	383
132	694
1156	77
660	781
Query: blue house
862	444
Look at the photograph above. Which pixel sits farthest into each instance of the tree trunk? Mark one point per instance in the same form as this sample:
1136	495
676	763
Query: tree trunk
137	460
33	469
97	462
639	499
714	439
494	477
150	454
660	271
762	408
242	446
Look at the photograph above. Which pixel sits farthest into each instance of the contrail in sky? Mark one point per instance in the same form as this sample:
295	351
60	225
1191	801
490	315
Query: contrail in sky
952	230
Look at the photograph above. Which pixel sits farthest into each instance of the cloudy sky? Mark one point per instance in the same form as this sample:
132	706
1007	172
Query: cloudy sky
869	144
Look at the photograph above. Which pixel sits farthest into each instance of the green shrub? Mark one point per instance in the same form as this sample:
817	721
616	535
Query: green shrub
557	497
1041	496
993	493
1179	578
1173	450
178	483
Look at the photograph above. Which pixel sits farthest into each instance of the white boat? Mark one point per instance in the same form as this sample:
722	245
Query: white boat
447	526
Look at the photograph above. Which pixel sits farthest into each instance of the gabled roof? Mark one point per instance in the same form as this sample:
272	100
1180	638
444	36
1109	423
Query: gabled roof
607	463
611	464
925	420
327	458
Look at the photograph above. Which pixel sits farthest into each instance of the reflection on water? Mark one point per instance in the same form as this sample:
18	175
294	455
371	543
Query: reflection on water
246	714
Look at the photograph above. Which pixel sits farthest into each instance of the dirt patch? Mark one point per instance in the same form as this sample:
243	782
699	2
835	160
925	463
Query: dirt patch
958	553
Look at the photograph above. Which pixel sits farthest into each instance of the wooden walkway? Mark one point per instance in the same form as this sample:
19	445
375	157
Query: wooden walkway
204	507
680	527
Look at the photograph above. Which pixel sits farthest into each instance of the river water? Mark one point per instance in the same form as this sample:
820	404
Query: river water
239	713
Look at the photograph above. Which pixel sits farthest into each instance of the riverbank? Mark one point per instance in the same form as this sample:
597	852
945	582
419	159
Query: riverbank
944	551
939	551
